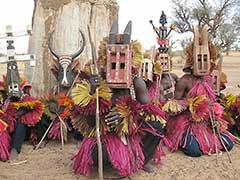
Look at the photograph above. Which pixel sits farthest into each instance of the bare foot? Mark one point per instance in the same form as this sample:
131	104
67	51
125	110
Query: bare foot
42	145
149	168
13	155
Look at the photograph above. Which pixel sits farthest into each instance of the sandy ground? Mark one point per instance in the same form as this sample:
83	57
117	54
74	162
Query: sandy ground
52	163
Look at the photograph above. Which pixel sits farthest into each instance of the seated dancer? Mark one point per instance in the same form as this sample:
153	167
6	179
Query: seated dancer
200	128
231	104
130	129
58	103
163	86
20	111
4	134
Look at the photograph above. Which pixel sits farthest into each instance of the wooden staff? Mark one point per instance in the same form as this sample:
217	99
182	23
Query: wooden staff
38	145
220	137
157	97
214	133
61	129
237	140
95	72
74	81
154	28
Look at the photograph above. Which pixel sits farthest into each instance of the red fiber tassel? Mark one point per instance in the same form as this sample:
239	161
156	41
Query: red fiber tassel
55	132
175	129
4	146
83	161
159	153
33	137
126	159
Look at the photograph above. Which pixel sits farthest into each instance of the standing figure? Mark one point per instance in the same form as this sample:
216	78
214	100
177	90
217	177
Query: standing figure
200	128
130	128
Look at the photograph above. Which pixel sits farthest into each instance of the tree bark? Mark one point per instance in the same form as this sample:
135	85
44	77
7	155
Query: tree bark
65	17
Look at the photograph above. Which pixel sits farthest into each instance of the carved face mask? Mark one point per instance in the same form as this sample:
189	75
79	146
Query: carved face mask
63	65
201	54
165	62
65	75
13	81
147	69
119	57
216	74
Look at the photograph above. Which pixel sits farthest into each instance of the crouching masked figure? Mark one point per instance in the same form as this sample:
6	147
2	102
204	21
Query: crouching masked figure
130	129
231	105
20	110
58	103
229	102
4	134
192	129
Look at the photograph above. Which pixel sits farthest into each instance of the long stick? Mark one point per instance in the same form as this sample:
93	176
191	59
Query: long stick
229	157
157	98
154	28
63	123
157	93
214	133
74	81
100	158
237	140
94	59
18	163
38	145
61	129
220	137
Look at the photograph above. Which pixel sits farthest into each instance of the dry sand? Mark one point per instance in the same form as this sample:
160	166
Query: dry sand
52	163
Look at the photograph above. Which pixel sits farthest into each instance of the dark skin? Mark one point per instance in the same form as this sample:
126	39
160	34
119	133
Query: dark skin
113	118
185	84
3	97
167	81
141	90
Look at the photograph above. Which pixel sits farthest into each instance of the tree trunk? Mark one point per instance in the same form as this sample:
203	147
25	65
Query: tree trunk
65	17
227	52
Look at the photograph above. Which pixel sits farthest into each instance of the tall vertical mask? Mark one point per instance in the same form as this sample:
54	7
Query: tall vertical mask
146	69
13	80
201	54
119	57
163	42
216	74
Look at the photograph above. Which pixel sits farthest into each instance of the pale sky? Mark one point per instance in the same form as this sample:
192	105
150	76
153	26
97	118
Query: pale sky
18	13
140	12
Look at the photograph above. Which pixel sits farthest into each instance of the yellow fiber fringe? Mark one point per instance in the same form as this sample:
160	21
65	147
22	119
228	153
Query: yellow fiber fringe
29	105
81	93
